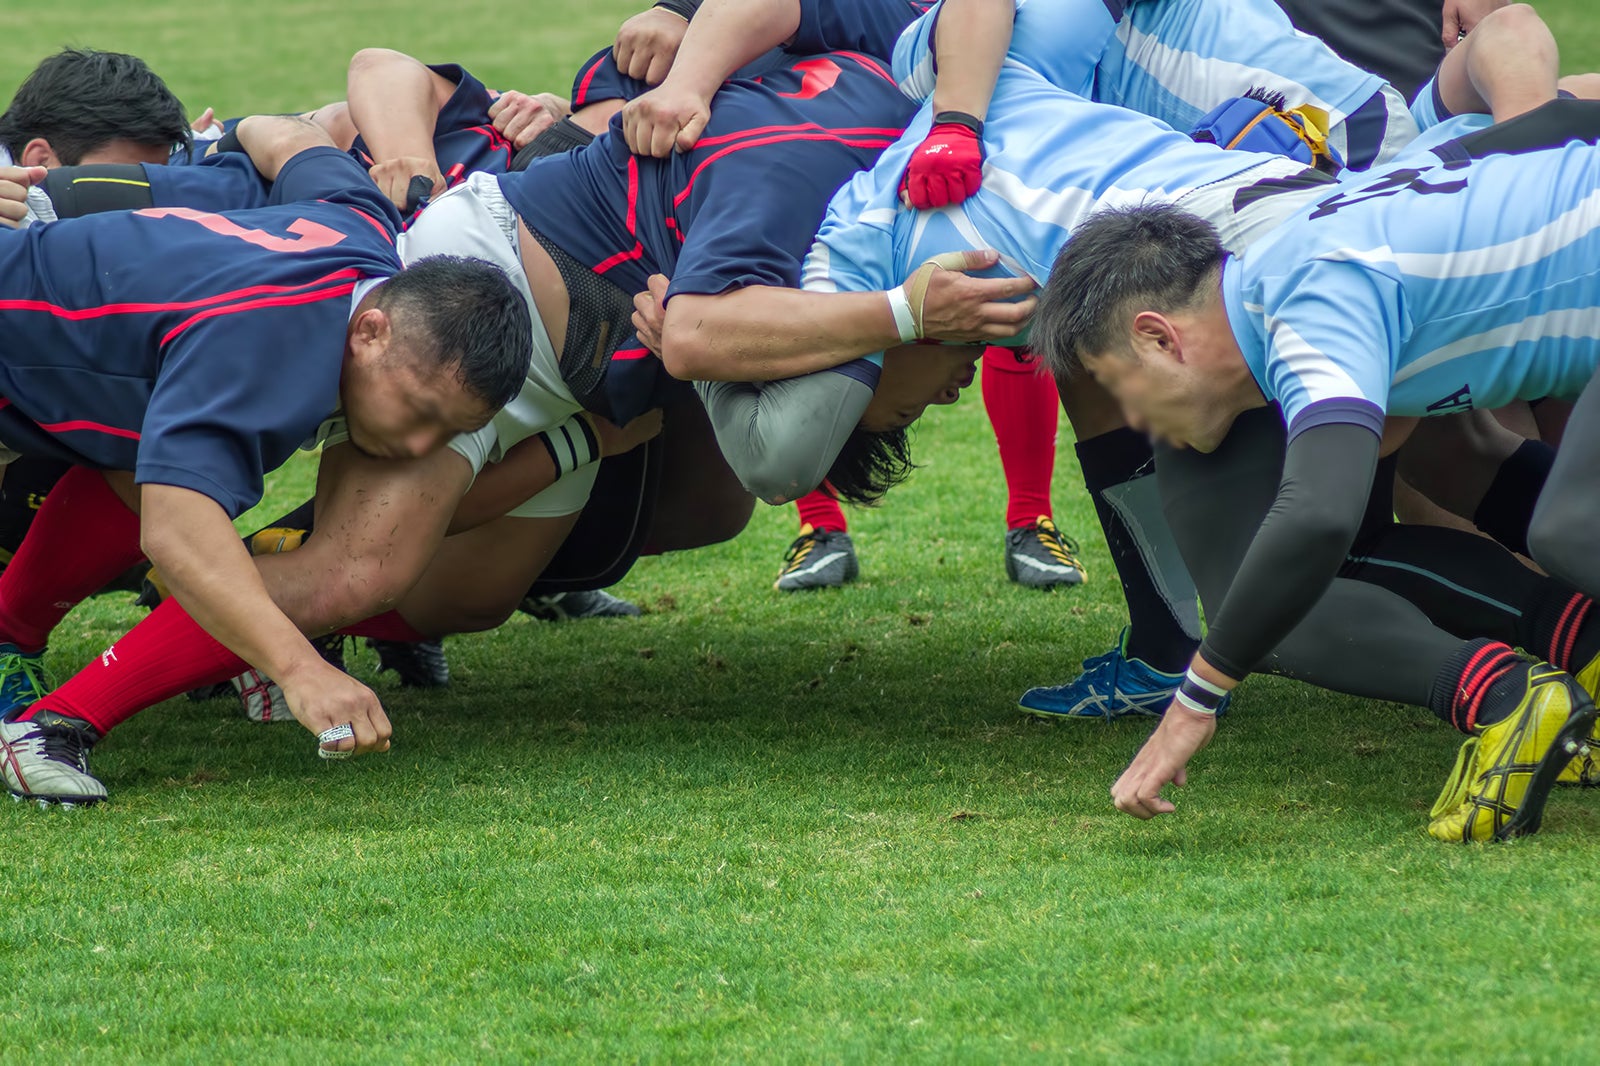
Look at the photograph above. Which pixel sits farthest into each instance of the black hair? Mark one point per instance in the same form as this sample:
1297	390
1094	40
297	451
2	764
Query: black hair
870	464
80	100
471	319
1158	255
1271	97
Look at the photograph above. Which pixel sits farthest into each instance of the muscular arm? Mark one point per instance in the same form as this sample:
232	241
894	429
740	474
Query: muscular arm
1327	476
272	140
971	43
394	103
767	332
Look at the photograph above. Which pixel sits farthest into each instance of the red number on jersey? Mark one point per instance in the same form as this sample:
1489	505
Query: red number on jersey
817	76
308	236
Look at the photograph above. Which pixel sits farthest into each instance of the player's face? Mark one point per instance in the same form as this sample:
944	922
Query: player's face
403	407
1164	396
915	376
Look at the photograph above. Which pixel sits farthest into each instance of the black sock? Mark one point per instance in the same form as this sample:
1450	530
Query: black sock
1478	685
1560	627
1155	632
1507	507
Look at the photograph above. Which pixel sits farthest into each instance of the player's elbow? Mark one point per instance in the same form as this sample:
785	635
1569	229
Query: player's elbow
369	59
1326	532
784	470
684	351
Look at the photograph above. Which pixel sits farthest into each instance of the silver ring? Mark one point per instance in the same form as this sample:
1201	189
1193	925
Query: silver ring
332	735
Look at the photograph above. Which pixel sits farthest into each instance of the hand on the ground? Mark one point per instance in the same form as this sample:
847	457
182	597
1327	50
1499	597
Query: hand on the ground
324	697
964	310
393	177
1162	761
663	119
520	117
14	185
649	312
648	43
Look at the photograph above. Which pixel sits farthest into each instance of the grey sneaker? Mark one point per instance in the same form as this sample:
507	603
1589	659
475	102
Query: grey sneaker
572	606
818	559
47	759
1038	556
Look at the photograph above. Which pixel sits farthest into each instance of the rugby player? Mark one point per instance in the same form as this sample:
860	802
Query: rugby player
154	371
1378	300
599	214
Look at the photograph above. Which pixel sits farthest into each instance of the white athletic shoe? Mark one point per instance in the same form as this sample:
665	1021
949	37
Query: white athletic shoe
47	759
261	697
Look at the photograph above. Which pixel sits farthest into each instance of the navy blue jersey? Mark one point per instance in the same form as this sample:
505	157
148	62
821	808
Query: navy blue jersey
194	349
464	137
739	209
869	26
227	181
599	79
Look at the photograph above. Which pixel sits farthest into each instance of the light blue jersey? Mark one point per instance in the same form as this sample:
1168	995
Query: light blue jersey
1428	291
1175	60
1178	59
1053	158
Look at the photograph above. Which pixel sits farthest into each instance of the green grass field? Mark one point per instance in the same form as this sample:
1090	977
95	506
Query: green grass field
757	827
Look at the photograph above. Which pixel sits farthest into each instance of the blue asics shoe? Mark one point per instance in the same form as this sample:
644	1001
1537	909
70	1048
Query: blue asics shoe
1111	686
23	678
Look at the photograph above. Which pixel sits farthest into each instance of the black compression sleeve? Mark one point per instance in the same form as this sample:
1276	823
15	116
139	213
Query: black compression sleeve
88	190
1327	475
685	8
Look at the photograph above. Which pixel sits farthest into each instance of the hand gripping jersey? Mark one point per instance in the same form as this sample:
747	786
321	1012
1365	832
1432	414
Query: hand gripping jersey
194	349
1427	290
739	209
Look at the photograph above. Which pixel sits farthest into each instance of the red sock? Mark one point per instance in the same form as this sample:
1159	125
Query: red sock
820	507
164	655
1022	405
388	626
82	537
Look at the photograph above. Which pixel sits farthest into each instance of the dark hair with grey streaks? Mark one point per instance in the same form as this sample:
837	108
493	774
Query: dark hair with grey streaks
1158	256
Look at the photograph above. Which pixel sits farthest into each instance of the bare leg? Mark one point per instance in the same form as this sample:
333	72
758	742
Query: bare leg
1453	460
1508	65
478	577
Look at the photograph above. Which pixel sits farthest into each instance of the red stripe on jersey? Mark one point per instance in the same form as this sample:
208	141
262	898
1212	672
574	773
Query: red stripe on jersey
583	86
254	305
804	127
851	142
620	258
870	63
379	226
626	354
81	313
88	427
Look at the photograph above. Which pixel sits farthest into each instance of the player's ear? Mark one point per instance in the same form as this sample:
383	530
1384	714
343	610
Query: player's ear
38	153
370	334
1153	333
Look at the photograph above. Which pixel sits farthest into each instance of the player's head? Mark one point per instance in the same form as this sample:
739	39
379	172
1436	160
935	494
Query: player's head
434	351
1133	300
82	106
877	454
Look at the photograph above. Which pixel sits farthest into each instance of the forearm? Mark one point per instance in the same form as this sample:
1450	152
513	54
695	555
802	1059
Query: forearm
394	103
727	34
971	43
766	333
1327	476
190	539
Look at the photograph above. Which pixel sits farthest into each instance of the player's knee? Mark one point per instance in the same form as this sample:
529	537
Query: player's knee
476	616
1559	541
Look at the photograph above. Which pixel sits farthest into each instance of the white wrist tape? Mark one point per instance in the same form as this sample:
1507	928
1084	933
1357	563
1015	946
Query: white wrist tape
904	320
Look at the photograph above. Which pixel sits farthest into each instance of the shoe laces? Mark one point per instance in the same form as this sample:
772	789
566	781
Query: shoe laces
1062	547
796	554
23	675
64	743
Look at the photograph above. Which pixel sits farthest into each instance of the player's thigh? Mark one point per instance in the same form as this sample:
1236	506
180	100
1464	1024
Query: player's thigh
379	521
700	500
1090	408
1561	535
477	578
1215	502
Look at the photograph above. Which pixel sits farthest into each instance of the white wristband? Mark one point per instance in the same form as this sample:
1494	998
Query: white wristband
904	321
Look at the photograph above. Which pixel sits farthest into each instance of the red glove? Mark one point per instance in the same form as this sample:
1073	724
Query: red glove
947	166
